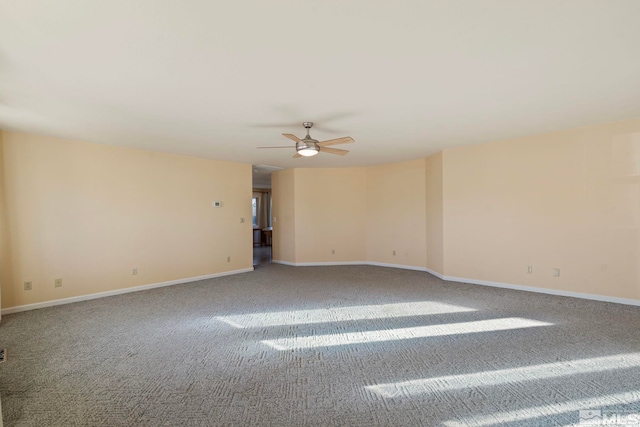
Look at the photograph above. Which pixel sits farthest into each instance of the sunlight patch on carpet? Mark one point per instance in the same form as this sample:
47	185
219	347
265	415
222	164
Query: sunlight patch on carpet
506	376
502	418
339	314
403	333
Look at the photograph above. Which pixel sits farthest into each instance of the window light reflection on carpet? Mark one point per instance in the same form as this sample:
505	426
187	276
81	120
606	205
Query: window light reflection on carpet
402	333
336	314
502	418
505	376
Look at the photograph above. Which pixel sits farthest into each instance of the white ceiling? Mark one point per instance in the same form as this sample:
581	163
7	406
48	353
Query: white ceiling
405	79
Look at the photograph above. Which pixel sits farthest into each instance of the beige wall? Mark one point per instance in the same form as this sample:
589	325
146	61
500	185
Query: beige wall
330	211
4	254
351	214
319	215
284	225
395	213
434	214
90	213
567	200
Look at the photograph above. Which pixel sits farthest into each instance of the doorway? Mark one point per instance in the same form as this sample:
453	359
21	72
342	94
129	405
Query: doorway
261	205
262	226
261	215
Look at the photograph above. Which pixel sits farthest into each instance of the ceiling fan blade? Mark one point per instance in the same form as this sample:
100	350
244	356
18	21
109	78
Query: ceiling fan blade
343	140
279	146
292	137
297	155
333	151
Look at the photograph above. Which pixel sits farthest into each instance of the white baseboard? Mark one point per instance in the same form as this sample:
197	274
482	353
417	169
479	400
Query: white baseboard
277	261
379	264
318	264
402	266
435	273
582	295
119	291
594	297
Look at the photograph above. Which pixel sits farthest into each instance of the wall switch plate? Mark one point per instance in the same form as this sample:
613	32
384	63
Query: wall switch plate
134	272
556	272
28	286
58	283
529	269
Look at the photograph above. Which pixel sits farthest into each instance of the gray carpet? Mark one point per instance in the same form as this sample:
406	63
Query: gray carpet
322	346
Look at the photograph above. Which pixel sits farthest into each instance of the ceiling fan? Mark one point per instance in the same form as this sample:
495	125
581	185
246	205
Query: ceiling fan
307	146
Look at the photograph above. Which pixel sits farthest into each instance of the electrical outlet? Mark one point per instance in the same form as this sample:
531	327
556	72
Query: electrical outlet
241	220
28	286
228	259
556	272
58	283
134	272
529	269
394	253
333	251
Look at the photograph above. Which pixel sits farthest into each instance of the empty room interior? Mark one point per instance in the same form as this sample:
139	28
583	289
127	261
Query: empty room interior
296	213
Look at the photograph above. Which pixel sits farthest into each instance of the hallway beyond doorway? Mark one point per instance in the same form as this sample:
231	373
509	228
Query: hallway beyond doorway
261	255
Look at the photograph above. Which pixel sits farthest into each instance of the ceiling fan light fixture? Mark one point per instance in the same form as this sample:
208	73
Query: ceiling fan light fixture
307	150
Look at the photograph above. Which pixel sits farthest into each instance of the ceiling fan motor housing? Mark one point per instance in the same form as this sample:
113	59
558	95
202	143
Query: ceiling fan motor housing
306	146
